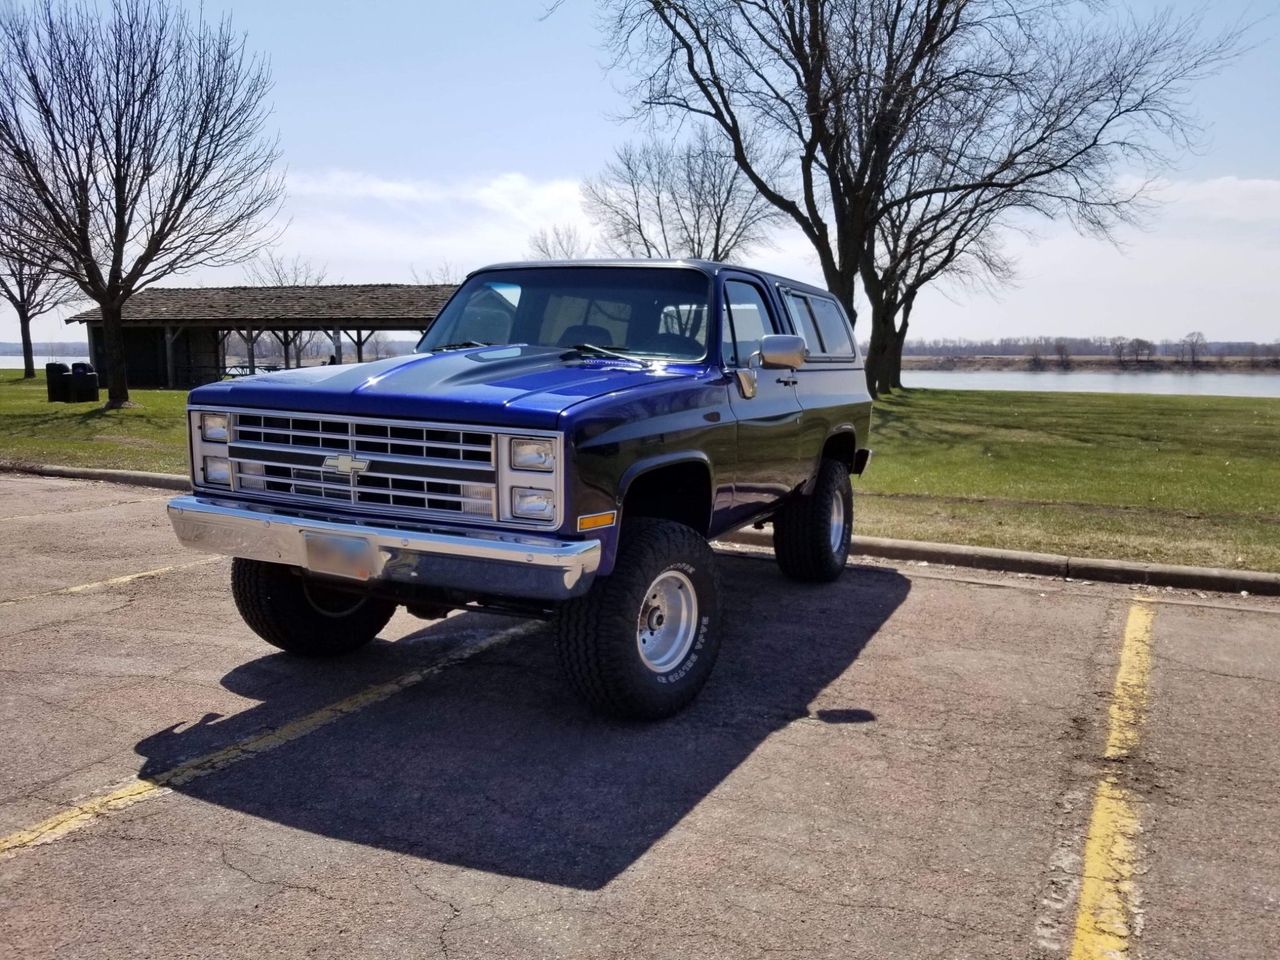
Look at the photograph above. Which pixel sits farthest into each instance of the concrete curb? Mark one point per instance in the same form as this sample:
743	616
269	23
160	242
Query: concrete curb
983	558
136	478
1051	565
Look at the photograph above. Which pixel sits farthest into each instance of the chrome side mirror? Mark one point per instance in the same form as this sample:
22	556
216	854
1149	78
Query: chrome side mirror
782	351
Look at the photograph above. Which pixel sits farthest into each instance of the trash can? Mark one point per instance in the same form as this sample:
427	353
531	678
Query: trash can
84	385
82	366
58	381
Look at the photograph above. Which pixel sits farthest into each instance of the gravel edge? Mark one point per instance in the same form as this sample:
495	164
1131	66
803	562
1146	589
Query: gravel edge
1051	564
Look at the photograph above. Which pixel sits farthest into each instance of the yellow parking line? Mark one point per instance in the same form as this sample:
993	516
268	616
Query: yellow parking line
101	506
136	789
112	582
1107	910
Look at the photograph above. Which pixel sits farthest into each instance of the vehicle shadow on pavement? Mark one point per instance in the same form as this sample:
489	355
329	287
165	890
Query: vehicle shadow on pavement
492	765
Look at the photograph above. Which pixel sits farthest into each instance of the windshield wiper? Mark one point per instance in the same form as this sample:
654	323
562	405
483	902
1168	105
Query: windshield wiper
606	352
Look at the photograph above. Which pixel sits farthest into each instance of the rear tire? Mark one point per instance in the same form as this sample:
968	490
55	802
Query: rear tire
641	643
811	533
301	615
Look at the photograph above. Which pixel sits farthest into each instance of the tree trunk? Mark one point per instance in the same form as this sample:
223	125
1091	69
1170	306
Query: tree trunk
113	343
28	354
880	355
899	339
878	384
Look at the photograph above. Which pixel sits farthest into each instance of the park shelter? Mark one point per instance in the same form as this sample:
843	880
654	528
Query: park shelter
176	337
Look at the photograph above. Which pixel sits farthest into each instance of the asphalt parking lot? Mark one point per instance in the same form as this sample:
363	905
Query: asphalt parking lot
914	762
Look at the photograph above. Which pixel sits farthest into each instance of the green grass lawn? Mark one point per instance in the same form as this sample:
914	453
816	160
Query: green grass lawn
150	436
1172	479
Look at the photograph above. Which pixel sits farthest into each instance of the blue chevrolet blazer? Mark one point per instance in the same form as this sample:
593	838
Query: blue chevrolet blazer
563	443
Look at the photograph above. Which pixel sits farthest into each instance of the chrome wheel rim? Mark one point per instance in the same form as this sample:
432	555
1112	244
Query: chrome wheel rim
668	622
837	523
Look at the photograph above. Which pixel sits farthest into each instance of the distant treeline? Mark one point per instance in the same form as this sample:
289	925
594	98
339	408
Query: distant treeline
1122	348
50	348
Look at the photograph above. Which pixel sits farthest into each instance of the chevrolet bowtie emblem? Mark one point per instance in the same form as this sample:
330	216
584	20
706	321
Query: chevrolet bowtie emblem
346	464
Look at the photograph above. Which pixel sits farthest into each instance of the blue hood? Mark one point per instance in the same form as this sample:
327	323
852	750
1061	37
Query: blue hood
525	387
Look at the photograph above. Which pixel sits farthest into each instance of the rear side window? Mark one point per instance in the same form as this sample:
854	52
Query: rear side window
822	324
802	320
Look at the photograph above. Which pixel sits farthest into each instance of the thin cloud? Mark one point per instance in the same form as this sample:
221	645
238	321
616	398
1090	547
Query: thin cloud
1206	260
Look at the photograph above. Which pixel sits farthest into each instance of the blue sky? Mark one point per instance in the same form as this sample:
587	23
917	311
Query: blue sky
420	133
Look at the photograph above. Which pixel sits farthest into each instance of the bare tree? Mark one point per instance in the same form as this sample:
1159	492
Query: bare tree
1035	353
271	269
817	99
134	141
934	236
1063	351
1118	347
658	200
562	242
1195	345
445	273
1141	348
29	285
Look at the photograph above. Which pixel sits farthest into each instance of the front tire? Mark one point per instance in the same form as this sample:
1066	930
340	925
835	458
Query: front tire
811	533
641	643
303	616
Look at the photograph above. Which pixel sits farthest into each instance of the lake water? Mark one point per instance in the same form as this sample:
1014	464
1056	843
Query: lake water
15	362
1206	383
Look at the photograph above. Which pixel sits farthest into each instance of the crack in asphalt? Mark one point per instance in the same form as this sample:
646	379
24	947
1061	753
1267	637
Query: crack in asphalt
1185	667
454	910
280	884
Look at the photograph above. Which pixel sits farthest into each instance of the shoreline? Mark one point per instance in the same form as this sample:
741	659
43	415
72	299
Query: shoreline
1242	365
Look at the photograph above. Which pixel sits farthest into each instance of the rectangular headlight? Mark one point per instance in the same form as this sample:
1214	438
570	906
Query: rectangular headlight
529	503
217	470
530	454
213	427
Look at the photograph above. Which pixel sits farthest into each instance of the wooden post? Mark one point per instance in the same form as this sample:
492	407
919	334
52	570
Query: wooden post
335	337
170	336
360	339
222	352
250	338
287	339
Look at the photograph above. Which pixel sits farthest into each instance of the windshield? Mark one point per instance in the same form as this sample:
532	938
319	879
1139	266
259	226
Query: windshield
637	311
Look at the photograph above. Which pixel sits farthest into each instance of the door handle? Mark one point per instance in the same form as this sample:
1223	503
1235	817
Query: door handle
788	381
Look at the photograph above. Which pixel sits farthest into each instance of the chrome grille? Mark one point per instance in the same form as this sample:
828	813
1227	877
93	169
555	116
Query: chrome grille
388	466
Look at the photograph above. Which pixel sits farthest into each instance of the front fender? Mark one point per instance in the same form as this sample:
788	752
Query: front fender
650	464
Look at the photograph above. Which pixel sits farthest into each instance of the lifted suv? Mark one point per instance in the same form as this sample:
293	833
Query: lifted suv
563	443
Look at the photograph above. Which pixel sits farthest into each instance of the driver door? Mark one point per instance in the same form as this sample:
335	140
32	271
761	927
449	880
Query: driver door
769	464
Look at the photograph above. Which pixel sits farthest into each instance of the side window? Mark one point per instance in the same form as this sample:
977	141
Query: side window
802	320
747	320
832	327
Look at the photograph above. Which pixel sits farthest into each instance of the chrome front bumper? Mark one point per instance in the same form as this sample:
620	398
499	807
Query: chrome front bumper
485	562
